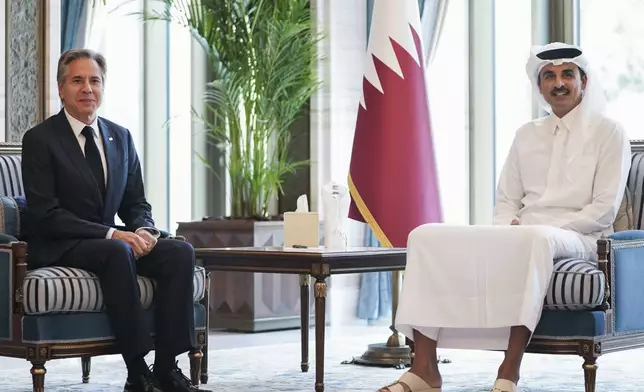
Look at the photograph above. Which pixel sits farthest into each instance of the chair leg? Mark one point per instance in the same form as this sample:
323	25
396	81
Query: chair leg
86	364
590	373
38	375
204	363
195	366
204	349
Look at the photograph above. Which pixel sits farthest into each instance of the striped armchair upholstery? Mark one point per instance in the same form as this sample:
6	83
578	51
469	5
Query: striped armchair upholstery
62	307
10	173
61	290
635	192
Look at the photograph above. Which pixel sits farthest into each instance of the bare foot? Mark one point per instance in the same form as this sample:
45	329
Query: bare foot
433	380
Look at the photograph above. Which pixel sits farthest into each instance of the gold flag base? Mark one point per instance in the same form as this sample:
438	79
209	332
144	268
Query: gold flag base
395	352
379	354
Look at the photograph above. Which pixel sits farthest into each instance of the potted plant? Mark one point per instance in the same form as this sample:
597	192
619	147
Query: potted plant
263	55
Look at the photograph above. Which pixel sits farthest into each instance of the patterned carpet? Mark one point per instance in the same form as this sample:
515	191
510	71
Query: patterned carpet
269	368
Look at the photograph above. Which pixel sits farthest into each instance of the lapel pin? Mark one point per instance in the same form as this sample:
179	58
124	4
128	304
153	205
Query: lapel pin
110	138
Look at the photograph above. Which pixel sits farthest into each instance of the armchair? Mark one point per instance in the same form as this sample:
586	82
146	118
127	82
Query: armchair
593	310
58	312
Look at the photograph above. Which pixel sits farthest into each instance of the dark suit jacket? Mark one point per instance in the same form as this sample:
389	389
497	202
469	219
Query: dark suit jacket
64	204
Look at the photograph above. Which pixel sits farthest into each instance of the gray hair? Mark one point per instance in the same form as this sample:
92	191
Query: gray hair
74	54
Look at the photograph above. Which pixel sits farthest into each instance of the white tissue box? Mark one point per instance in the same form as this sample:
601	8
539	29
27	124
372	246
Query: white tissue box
301	228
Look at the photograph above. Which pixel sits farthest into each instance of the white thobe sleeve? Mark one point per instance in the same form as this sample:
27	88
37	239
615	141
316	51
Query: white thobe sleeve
608	190
509	191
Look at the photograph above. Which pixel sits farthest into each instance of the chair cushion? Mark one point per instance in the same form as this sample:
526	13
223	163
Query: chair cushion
51	290
84	327
570	325
575	285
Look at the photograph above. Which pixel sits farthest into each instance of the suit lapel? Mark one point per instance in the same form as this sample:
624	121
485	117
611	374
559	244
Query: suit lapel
70	144
111	158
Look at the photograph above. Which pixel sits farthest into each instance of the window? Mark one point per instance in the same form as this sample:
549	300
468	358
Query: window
180	125
611	36
111	27
118	32
512	89
447	83
118	35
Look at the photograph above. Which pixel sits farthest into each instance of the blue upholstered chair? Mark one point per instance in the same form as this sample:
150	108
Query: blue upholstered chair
593	310
55	312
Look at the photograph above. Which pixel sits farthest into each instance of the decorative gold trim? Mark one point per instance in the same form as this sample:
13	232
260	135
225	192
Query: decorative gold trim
78	354
320	270
320	289
270	270
81	346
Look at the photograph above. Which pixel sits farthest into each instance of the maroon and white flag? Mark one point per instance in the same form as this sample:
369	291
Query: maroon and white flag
392	175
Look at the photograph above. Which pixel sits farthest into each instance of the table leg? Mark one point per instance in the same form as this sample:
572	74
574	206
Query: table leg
305	317
320	325
204	359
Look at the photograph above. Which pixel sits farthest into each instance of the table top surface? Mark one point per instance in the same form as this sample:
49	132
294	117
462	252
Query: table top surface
299	252
315	261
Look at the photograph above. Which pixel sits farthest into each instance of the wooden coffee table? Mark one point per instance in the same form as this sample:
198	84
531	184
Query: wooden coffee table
312	262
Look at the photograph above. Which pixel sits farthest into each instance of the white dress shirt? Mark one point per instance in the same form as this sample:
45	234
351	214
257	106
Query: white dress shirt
77	127
569	173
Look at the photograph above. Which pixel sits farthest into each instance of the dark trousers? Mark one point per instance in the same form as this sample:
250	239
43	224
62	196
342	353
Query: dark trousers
171	264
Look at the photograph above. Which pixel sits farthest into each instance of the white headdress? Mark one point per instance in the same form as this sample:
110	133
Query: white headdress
591	108
593	101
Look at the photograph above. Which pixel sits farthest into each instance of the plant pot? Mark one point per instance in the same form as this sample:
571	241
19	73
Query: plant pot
245	301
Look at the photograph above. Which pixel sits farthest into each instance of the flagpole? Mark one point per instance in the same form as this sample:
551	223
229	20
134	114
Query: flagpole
394	352
396	339
393	119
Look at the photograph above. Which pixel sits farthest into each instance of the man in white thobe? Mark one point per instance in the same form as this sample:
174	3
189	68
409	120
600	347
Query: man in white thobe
483	287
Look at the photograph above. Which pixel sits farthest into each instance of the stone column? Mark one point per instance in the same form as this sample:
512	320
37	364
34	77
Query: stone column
27	63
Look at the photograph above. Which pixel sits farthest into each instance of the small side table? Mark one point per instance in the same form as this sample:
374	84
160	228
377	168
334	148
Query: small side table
312	262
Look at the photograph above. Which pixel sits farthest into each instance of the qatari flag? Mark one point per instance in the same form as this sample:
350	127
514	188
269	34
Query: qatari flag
392	175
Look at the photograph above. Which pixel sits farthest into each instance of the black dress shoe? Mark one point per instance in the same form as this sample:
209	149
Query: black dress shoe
176	381
142	382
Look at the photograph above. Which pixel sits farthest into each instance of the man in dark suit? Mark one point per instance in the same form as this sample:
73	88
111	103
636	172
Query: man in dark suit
79	171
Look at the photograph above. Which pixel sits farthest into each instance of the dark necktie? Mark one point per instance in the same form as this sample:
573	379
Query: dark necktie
93	158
